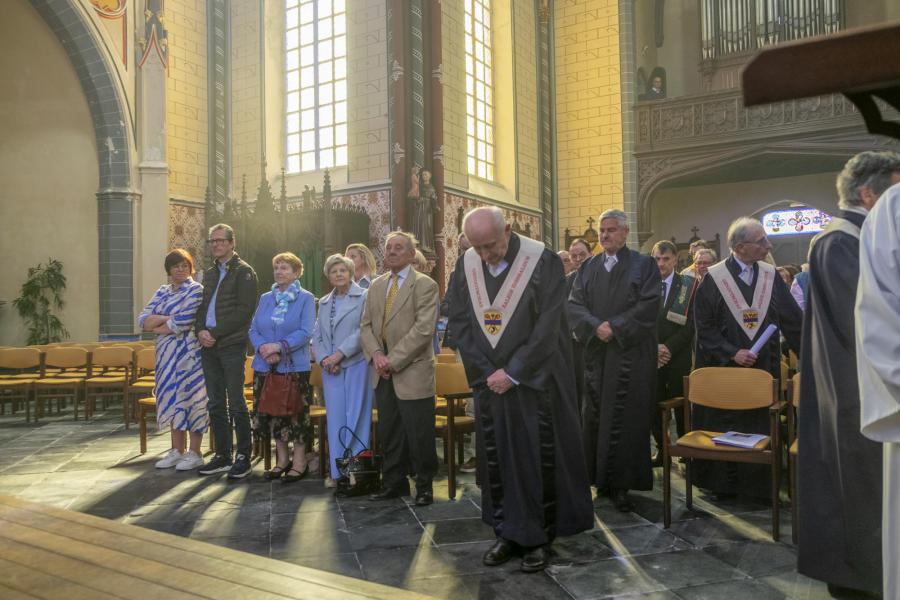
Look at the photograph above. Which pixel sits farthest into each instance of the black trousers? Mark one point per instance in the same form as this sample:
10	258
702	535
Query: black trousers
406	431
669	384
223	369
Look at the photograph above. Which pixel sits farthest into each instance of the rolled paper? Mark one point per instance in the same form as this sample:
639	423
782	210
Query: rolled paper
763	338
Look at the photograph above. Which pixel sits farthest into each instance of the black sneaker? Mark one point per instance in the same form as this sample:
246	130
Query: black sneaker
240	468
217	464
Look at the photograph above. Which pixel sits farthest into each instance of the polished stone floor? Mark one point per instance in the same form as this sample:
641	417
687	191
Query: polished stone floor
720	551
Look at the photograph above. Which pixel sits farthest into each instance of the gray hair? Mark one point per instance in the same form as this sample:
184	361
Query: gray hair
411	242
338	259
739	230
710	251
867	169
421	262
615	213
497	220
223	227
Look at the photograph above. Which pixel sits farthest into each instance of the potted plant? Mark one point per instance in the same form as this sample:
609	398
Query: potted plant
39	296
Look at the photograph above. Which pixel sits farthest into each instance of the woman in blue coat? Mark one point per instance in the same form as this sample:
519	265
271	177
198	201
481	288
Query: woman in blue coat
345	373
284	316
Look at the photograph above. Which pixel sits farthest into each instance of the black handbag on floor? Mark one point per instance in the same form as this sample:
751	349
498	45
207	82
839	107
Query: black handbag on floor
360	473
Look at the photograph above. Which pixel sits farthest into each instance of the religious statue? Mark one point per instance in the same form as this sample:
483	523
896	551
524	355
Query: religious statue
421	203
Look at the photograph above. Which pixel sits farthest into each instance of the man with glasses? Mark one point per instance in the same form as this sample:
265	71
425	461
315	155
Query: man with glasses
736	302
223	320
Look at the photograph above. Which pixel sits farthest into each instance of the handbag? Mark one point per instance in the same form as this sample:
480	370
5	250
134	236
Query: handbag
281	395
360	472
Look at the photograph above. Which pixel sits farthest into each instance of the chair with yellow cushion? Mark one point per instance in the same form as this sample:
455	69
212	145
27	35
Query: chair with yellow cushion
723	388
110	376
318	417
446	358
145	405
21	366
452	385
71	366
794	399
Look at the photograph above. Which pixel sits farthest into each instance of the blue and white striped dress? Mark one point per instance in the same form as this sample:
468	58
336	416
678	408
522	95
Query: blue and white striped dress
180	388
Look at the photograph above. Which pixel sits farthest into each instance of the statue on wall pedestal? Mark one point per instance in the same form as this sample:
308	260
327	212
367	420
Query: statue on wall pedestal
421	204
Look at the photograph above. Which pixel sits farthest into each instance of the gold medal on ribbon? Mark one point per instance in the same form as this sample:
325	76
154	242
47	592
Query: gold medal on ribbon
751	318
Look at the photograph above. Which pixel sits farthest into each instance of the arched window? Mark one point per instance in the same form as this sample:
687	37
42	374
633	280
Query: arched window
479	92
315	84
795	221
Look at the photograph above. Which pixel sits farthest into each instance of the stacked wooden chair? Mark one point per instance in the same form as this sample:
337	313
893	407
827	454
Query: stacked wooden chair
21	368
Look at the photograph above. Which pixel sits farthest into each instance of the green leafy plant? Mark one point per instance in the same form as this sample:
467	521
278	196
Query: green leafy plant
40	295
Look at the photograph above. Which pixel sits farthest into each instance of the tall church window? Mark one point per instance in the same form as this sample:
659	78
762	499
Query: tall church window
315	84
479	91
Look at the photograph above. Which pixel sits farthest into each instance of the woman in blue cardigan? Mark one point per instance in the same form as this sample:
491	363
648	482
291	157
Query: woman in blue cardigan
345	373
285	315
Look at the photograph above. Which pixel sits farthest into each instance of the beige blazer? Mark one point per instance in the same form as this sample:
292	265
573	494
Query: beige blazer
409	332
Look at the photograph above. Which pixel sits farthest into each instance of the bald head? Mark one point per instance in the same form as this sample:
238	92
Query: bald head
488	233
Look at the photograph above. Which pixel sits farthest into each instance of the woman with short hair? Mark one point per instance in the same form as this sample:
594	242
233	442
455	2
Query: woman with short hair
364	269
180	389
280	334
345	372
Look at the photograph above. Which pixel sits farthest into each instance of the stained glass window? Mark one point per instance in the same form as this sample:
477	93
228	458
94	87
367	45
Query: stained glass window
795	221
479	89
315	84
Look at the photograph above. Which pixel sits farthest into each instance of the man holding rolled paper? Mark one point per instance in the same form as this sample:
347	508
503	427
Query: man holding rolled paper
734	308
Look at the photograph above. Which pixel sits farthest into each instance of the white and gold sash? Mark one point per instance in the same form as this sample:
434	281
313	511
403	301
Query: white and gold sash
748	317
493	317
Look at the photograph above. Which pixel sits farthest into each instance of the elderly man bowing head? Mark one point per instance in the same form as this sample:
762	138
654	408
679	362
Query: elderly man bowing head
508	320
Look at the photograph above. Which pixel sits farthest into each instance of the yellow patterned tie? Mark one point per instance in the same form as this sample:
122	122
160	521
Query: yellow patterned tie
389	304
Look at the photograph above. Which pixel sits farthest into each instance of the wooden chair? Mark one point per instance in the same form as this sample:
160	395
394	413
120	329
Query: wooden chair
446	350
72	365
145	405
142	384
111	368
794	399
319	417
451	385
24	366
446	358
723	388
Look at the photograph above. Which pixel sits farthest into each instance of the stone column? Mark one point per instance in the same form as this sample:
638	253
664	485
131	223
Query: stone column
152	209
115	218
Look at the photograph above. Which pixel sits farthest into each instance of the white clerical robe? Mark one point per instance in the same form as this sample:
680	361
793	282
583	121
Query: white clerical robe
878	362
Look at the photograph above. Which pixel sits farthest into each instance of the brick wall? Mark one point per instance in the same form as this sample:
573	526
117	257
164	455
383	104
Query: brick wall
588	110
527	132
186	114
245	96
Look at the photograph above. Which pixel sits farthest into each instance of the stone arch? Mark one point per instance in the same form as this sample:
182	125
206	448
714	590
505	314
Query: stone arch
115	194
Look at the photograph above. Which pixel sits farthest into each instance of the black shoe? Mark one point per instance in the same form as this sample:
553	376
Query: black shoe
499	553
424	498
217	464
536	559
277	472
288	478
724	497
387	494
241	467
620	500
845	593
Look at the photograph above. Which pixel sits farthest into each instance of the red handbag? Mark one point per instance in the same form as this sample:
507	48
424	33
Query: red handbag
281	395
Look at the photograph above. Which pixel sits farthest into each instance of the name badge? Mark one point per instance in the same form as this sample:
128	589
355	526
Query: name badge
676	318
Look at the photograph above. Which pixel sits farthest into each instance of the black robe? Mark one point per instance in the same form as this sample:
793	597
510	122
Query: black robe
620	375
533	479
719	337
577	352
840	485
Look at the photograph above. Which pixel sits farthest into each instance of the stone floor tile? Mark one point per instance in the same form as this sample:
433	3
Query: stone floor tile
605	579
687	567
609	517
585	547
515	585
369	537
640	539
447	587
456	531
746	589
797	587
459	509
399	565
345	564
756	559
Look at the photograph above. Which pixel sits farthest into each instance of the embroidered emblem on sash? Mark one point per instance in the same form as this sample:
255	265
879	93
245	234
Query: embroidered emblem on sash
493	321
751	319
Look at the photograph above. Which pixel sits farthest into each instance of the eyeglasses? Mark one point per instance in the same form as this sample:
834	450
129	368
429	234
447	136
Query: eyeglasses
218	240
763	240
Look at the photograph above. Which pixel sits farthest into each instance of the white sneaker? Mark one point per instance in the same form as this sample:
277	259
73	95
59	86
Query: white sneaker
190	460
329	482
169	460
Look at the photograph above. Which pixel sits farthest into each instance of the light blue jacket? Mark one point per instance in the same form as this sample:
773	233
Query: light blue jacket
296	330
346	327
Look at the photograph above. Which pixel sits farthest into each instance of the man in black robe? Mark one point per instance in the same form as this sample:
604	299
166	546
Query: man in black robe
675	330
723	341
612	309
839	487
579	251
518	362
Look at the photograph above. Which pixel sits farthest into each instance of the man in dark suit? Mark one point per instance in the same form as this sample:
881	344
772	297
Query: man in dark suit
675	332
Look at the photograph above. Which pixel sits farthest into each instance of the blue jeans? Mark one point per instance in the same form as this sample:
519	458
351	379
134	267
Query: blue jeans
223	369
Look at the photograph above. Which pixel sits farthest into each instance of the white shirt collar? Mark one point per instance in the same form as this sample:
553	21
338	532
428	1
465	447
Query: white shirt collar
497	269
668	280
742	264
